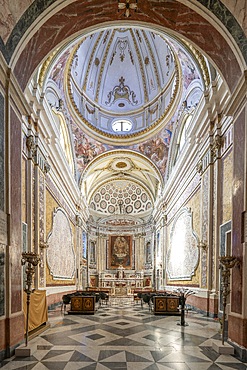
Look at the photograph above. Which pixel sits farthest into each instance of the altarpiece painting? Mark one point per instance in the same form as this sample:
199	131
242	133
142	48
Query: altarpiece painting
120	251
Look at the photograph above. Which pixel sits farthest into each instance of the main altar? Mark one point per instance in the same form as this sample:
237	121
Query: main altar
121	282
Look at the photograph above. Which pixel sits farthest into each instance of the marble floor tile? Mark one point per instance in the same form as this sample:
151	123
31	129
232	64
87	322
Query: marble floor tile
126	337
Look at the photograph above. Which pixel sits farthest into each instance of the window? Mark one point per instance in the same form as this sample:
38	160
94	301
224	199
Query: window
122	125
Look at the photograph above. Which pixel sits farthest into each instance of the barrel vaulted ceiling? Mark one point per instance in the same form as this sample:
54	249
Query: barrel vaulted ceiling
126	86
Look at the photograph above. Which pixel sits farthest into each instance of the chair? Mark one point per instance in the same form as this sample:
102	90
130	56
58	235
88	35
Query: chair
104	297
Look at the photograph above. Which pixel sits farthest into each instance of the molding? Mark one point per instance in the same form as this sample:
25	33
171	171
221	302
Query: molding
238	99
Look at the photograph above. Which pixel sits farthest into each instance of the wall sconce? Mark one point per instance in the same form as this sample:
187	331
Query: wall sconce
127	6
202	244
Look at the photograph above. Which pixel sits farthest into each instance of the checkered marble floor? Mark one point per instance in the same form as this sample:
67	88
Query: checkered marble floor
123	335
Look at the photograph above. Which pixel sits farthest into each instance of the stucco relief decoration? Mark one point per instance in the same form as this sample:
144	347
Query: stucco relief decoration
60	254
183	254
121	91
121	197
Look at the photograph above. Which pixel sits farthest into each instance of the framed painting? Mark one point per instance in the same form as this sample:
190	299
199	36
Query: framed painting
120	251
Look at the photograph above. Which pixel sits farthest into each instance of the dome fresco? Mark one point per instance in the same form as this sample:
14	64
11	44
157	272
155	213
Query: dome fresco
126	83
72	85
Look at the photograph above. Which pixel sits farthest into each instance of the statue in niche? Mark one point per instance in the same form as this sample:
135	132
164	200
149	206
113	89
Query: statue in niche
120	273
92	252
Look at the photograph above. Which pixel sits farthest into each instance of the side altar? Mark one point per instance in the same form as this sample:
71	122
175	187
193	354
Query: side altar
121	281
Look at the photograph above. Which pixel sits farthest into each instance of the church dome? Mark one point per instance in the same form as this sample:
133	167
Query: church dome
123	81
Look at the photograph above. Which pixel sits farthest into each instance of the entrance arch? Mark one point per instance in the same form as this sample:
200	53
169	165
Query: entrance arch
69	21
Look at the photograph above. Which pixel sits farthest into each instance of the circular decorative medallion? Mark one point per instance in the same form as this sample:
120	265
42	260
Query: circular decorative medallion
144	197
137	204
111	209
103	204
138	191
97	197
129	209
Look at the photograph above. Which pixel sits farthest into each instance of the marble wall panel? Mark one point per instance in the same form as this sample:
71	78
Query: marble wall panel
239	9
171	15
194	204
226	191
213	246
15	216
42	228
239	138
2	119
183	254
204	232
24	190
60	241
51	205
10	13
232	23
2	279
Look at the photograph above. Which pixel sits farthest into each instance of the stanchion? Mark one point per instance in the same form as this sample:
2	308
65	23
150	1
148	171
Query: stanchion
183	295
32	260
226	263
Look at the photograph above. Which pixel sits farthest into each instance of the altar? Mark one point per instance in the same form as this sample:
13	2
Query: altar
121	281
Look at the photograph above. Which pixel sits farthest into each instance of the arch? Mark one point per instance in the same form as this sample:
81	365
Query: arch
171	16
